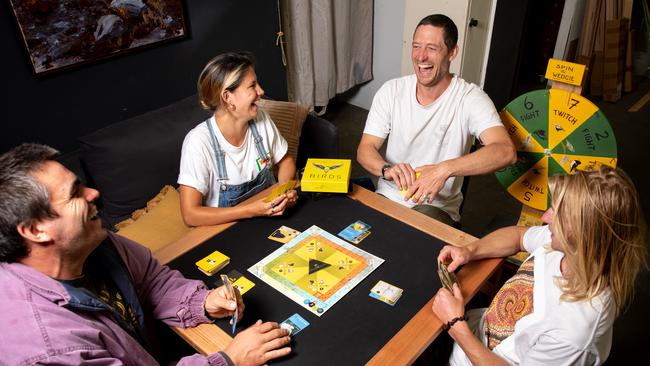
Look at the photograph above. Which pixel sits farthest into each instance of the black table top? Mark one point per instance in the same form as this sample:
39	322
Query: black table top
357	326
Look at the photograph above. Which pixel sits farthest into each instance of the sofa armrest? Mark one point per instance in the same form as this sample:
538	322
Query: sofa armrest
130	161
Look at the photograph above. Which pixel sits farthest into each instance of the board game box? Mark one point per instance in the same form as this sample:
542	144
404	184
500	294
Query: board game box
315	269
326	175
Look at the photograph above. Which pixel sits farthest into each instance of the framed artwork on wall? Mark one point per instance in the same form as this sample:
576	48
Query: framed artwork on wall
59	34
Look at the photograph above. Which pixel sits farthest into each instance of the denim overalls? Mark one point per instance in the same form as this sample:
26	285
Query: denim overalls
230	195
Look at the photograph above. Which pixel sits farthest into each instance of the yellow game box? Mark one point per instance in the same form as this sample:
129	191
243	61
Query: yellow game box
213	263
326	175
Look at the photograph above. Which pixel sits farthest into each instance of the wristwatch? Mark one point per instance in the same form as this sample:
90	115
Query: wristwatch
384	169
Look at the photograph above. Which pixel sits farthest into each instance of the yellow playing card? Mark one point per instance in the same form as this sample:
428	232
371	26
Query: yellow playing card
243	284
280	189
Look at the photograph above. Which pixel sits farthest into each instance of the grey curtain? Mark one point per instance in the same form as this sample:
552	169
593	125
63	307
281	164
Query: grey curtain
328	45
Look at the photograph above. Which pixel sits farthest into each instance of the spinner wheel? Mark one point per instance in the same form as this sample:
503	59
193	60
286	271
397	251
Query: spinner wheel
554	132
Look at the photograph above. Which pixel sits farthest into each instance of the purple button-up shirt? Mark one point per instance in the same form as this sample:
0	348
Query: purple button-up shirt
36	327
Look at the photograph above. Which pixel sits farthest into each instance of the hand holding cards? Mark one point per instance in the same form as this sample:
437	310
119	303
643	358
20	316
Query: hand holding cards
280	189
233	296
237	280
447	279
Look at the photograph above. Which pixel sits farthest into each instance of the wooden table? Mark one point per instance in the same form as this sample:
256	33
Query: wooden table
413	338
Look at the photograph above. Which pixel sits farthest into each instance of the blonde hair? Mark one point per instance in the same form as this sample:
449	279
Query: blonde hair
599	224
224	72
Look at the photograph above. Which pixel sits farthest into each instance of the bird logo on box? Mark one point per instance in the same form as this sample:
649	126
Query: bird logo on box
326	168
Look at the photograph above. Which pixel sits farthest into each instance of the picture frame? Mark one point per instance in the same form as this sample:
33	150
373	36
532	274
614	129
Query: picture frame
62	34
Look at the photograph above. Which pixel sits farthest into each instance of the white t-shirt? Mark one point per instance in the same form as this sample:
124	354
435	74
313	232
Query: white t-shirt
421	135
557	332
198	161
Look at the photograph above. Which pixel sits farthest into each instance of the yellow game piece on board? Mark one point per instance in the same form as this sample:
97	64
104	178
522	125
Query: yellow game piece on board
213	263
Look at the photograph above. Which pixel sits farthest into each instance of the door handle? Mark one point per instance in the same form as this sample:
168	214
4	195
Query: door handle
473	22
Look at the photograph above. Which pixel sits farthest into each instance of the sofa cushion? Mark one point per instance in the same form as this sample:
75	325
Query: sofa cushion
130	160
158	224
288	118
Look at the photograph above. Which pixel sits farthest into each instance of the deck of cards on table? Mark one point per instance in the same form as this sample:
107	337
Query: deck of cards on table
212	263
355	232
294	324
386	292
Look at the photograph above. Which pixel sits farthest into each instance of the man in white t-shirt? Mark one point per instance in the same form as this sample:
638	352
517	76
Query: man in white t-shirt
431	119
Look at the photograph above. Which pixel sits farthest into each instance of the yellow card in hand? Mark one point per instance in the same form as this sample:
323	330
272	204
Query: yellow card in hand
417	175
280	189
213	263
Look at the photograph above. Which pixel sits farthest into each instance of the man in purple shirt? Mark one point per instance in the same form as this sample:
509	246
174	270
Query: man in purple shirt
74	293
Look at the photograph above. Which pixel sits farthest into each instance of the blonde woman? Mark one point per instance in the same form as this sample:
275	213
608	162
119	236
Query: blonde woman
230	157
560	306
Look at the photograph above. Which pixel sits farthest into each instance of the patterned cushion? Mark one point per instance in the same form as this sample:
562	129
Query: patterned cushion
289	118
158	224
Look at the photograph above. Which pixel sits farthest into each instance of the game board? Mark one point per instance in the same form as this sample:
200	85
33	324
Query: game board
315	269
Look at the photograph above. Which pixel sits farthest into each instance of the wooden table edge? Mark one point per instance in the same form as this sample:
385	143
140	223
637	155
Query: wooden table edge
411	340
416	335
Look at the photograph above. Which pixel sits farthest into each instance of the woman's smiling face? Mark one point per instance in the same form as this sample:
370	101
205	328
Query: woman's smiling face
246	95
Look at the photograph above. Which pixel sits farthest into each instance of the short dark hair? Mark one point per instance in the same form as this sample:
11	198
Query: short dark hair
23	199
447	25
224	72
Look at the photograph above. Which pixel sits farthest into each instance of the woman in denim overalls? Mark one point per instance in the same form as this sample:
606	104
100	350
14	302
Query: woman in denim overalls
215	176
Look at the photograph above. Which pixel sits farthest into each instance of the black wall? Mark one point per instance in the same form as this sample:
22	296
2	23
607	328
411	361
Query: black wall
505	48
58	108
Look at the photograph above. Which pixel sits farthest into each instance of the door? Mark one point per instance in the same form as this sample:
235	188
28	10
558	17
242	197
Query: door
476	50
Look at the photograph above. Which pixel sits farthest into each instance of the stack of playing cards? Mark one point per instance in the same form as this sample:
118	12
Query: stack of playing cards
386	292
232	296
447	279
213	263
355	232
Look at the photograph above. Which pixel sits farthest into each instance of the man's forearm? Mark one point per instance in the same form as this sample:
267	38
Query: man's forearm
487	159
370	159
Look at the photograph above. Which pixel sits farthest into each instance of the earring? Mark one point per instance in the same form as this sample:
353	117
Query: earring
231	107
